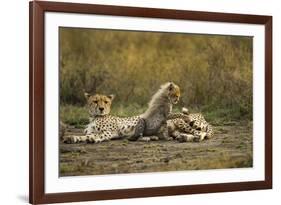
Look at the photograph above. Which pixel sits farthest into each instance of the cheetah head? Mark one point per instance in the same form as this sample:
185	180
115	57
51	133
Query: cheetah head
173	93
99	105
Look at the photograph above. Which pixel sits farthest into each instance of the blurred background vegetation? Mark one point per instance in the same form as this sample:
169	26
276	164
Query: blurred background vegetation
214	72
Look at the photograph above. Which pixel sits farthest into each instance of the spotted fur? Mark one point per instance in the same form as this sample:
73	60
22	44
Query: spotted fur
187	127
103	126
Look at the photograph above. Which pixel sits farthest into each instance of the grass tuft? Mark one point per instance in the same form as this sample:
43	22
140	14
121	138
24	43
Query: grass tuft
78	116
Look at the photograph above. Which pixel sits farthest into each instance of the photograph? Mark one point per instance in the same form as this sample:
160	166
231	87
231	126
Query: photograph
148	101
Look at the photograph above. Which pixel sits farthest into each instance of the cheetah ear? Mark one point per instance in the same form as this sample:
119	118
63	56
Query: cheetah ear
111	97
87	95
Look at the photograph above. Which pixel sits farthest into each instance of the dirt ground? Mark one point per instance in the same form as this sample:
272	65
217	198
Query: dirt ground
231	147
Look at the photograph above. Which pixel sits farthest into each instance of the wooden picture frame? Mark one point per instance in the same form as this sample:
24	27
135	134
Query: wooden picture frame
37	101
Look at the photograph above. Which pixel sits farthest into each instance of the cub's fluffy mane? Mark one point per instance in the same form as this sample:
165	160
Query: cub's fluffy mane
159	99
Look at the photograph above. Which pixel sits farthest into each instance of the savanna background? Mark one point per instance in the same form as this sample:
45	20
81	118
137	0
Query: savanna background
215	76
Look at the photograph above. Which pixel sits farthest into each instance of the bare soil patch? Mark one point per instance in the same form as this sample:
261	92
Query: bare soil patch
231	147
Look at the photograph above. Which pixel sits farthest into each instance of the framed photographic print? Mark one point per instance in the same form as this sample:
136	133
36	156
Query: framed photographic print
139	102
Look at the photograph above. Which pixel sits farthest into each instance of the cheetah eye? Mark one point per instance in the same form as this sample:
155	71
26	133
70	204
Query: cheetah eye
105	102
96	101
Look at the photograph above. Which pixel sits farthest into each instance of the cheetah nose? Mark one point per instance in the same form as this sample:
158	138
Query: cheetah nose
101	108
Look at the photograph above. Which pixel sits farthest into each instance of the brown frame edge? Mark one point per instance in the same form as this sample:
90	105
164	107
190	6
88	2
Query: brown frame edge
36	101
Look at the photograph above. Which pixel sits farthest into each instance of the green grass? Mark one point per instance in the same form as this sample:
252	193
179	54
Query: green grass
127	110
74	115
79	117
224	116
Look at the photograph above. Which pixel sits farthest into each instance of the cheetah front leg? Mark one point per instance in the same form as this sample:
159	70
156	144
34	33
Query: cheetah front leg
210	132
183	137
99	137
163	133
148	138
138	130
74	139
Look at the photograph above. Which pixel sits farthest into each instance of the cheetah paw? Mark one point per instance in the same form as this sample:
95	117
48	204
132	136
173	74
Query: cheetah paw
71	139
154	138
144	139
200	137
185	138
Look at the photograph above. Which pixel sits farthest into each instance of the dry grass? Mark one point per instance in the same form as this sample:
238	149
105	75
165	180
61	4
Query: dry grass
213	72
